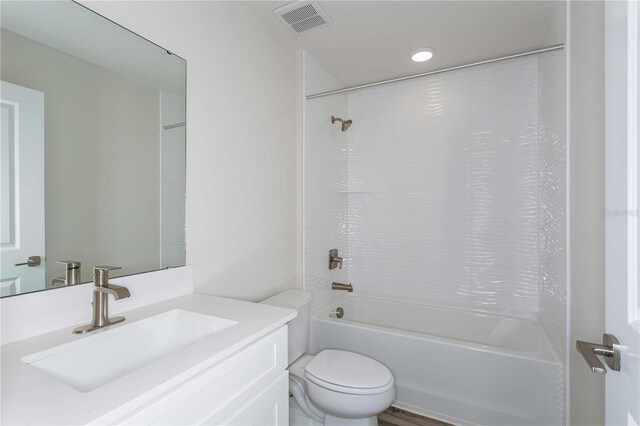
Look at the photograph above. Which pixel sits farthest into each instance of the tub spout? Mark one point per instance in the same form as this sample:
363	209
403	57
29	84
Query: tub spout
341	286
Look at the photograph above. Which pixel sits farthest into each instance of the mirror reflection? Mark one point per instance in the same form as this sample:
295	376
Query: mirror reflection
92	157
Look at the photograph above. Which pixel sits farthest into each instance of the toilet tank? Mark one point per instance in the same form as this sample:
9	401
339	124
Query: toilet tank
299	300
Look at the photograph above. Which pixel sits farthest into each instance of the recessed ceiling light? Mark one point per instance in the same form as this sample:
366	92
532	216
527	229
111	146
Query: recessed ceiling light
423	54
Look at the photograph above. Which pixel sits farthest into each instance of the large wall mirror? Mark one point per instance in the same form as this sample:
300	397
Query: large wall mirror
92	160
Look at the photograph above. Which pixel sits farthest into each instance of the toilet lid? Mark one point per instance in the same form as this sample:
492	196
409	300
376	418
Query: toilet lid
349	370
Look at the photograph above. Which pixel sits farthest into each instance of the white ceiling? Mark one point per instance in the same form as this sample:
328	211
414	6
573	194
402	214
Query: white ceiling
372	40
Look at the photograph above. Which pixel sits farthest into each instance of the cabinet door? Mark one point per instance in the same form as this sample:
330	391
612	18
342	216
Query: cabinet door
270	406
217	392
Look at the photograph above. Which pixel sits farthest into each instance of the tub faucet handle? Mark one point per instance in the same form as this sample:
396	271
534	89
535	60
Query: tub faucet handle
335	261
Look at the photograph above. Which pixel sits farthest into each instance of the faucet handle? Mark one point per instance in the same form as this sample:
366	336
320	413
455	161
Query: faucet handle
105	268
334	259
101	274
70	264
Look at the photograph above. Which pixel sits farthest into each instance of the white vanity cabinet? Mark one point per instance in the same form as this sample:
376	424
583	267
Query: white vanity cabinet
233	375
246	388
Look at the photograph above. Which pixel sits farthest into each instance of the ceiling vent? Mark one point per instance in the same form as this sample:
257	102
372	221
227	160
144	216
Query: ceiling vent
302	16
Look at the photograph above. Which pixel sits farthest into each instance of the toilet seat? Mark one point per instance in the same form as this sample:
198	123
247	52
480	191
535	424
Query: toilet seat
349	373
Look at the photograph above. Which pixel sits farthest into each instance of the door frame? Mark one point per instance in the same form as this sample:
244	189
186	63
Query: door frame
622	20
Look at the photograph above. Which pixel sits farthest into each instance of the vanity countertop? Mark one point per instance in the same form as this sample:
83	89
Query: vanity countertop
30	396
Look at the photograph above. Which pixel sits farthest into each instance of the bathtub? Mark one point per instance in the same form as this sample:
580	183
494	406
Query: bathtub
457	365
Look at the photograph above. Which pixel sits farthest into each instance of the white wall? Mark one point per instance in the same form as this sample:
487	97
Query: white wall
242	190
586	215
97	158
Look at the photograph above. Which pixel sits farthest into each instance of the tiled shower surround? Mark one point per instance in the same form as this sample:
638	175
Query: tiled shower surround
447	189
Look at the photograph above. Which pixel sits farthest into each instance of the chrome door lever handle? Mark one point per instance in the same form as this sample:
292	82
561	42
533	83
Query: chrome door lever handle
31	262
610	349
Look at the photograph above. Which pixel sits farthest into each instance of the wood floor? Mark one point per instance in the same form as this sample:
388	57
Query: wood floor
397	417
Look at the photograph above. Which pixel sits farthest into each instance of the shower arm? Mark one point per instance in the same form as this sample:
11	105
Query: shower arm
345	124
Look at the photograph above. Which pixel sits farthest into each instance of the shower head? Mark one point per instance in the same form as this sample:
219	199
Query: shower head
345	123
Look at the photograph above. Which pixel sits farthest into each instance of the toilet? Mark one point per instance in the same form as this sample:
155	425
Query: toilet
334	387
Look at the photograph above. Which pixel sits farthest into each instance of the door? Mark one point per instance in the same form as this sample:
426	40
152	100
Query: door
21	190
622	295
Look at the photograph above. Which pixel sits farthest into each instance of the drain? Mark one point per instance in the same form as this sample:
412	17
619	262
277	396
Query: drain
339	312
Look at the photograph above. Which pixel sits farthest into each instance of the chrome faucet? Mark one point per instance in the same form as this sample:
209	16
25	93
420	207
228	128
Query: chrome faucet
71	274
101	291
335	261
341	286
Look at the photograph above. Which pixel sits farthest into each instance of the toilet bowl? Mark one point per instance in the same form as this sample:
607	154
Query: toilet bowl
333	387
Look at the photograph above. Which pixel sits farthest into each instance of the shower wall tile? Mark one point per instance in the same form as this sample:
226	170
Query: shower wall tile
431	155
371	242
375	140
430	237
503	220
553	193
448	173
503	85
325	174
439	96
371	175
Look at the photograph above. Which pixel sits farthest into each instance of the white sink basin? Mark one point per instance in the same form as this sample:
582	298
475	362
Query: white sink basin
94	361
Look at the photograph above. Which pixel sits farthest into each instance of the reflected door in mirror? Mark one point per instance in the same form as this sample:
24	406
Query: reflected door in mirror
22	190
